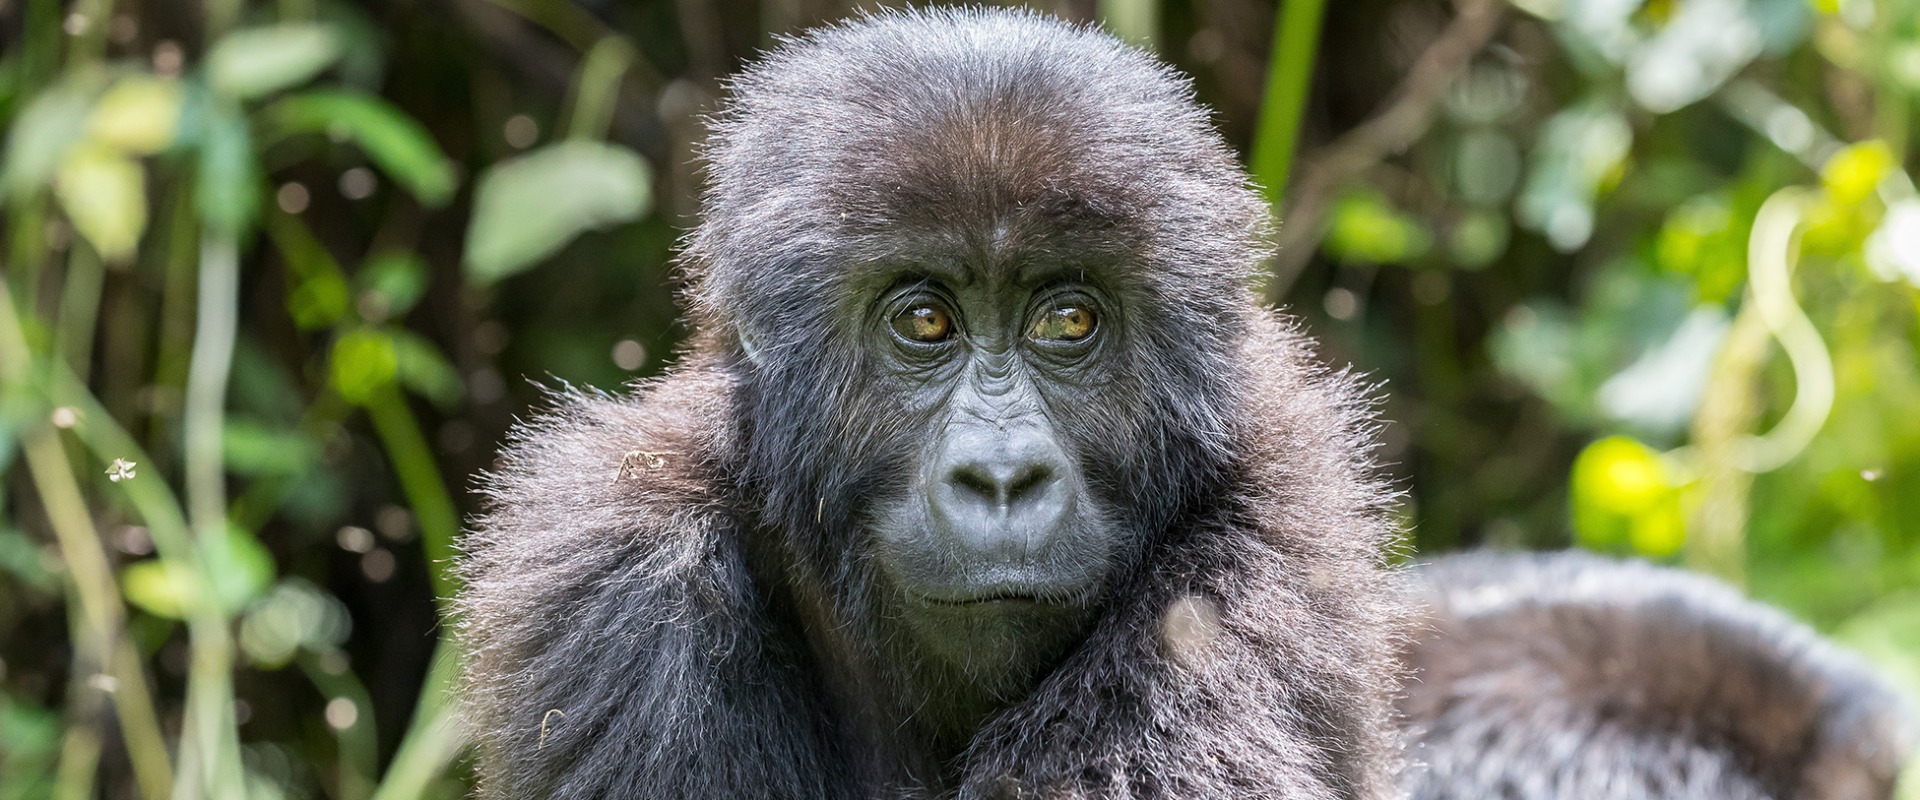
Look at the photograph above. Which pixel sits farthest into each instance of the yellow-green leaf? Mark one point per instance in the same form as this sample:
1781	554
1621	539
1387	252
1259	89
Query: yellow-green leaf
105	195
159	587
364	362
138	115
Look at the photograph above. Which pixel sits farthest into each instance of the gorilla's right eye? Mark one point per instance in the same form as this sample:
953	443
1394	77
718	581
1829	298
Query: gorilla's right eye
923	322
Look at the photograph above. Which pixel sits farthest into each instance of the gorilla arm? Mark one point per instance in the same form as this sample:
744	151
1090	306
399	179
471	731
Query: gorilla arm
616	645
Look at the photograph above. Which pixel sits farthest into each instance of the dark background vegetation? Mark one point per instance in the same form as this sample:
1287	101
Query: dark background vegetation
1642	277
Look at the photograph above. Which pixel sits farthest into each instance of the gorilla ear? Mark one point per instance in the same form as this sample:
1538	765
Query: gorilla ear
750	343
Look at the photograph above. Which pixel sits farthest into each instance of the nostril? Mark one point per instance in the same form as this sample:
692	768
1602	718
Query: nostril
975	480
1029	481
1002	484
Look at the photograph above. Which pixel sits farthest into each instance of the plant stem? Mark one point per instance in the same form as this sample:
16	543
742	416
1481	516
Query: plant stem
213	741
420	480
1296	41
596	88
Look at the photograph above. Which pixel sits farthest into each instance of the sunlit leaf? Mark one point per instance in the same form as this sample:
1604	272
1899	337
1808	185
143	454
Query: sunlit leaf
42	134
527	208
105	195
393	140
1365	227
363	363
259	61
1624	497
138	115
159	587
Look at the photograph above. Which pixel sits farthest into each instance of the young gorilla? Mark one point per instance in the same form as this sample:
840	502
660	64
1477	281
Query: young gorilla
1573	676
984	475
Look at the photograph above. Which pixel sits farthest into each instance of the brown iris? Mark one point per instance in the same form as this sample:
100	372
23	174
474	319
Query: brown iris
1063	324
923	323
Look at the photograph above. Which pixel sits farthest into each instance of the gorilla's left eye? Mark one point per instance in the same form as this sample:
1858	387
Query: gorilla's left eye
1063	323
923	323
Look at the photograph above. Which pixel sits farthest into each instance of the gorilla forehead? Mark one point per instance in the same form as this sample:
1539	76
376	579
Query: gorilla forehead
987	137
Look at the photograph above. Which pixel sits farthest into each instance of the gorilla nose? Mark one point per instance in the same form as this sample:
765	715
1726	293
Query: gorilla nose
1004	498
1004	483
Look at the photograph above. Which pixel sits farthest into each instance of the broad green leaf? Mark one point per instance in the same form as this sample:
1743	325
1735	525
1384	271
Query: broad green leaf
398	144
138	115
228	194
364	362
159	587
105	195
425	371
254	62
1365	227
43	134
1624	495
528	208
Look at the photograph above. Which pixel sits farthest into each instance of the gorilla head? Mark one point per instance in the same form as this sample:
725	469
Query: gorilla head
987	273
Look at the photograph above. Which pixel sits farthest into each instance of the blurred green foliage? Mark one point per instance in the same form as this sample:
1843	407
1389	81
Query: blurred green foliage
1641	276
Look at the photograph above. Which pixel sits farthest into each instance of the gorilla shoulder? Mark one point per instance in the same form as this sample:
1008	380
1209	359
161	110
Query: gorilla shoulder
1576	676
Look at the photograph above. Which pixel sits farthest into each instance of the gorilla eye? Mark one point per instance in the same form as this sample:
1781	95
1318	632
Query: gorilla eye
1064	323
923	323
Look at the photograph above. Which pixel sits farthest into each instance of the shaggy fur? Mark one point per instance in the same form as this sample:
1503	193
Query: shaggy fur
672	595
1574	676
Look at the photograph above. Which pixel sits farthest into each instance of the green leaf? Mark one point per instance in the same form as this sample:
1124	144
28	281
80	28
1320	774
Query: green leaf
425	371
1365	227
528	208
398	144
260	61
138	115
364	362
42	134
159	587
229	190
105	195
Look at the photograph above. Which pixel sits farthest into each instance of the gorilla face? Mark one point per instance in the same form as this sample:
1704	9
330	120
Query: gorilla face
987	322
999	531
999	512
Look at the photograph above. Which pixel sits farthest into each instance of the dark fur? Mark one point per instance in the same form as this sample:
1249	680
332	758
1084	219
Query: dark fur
1574	676
703	627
